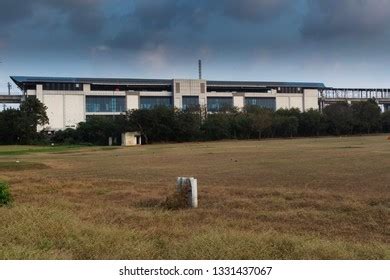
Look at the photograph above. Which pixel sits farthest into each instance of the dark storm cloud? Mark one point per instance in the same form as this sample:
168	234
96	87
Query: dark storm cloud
255	10
348	19
81	16
160	32
177	23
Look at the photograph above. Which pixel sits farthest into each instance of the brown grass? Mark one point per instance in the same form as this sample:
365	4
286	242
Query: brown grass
326	198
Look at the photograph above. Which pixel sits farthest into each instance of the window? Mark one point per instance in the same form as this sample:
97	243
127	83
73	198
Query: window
202	88
150	102
103	104
177	87
290	90
190	102
269	103
61	86
215	104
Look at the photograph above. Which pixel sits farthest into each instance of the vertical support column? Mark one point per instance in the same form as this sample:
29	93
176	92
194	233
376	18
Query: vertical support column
239	100
39	96
132	101
39	93
177	89
87	88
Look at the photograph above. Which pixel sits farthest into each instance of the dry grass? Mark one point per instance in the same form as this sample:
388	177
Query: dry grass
325	198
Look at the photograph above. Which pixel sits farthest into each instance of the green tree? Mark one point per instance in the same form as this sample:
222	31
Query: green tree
310	123
366	116
10	129
385	118
217	127
32	114
339	118
97	129
261	119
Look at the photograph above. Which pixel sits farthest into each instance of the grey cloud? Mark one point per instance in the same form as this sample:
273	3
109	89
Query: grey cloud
12	11
356	19
256	10
82	15
167	22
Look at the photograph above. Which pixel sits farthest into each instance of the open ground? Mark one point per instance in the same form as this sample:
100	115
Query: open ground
324	198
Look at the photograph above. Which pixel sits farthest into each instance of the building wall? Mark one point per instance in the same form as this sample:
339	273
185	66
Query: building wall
188	88
74	110
55	110
311	99
68	108
132	101
302	101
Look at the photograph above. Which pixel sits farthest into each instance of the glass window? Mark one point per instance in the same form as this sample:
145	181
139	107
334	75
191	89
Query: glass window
101	104
190	102
150	102
215	104
262	102
61	86
177	87
202	88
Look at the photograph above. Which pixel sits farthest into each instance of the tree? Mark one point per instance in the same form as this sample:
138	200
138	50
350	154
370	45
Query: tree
339	118
187	124
10	126
286	122
385	118
366	116
261	119
97	130
32	114
217	127
310	123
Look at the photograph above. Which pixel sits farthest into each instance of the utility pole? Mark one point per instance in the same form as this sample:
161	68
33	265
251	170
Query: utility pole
200	69
9	88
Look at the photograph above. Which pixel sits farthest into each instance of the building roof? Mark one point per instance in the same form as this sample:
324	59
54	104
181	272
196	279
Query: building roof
23	80
265	84
20	80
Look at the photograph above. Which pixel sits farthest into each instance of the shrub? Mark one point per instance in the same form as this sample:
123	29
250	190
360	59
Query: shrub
179	200
5	194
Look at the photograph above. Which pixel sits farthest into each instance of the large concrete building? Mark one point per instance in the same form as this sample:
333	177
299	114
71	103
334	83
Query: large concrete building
71	100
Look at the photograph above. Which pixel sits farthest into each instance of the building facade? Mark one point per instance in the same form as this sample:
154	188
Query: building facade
70	101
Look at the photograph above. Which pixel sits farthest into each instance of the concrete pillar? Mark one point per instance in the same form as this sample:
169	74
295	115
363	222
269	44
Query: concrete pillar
192	192
239	100
132	101
87	88
39	93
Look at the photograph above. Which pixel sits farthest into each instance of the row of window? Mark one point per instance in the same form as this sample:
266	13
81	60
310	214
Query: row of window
73	86
102	104
290	90
62	86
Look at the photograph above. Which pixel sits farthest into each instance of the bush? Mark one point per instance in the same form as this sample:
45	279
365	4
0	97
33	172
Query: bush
5	194
178	200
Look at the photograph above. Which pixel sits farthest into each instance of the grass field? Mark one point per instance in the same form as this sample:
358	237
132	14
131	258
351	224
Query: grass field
325	198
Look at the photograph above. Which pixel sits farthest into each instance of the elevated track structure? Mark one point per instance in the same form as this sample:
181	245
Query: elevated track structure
350	95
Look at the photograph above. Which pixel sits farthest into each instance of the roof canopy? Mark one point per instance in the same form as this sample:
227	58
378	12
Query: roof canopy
21	81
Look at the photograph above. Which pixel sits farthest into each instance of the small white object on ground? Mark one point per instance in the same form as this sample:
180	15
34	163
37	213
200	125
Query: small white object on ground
192	194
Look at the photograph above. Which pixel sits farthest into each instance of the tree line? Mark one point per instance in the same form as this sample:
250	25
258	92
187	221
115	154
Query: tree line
162	124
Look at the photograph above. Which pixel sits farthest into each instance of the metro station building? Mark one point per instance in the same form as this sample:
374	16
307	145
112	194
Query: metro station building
70	101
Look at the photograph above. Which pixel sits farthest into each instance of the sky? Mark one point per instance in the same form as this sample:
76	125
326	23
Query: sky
343	43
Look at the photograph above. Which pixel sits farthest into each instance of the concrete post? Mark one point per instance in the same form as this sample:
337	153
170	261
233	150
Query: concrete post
192	194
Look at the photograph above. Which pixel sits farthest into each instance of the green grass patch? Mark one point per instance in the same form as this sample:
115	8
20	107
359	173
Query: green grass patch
21	165
5	194
22	150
